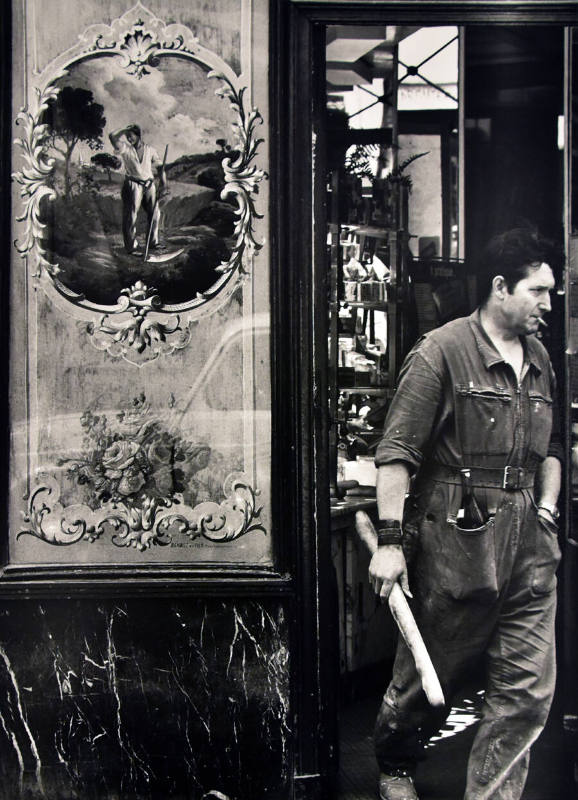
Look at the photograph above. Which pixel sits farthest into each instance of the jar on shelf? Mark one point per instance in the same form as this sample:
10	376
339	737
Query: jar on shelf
350	290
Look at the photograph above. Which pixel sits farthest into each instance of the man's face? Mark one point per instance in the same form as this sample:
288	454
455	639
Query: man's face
529	300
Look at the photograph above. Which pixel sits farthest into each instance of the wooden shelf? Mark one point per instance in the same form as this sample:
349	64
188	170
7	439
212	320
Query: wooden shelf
347	506
371	390
374	305
373	231
391	303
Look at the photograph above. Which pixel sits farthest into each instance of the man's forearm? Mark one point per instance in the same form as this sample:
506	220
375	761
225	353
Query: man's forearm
115	135
392	486
549	481
387	565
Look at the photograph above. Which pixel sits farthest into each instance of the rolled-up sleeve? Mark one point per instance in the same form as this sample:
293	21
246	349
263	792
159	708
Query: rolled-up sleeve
556	448
413	414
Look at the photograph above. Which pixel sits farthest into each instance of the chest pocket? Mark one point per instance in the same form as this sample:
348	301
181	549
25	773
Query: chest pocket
540	423
484	420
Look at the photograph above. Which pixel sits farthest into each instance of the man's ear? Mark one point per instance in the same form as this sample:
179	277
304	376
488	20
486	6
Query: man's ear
499	287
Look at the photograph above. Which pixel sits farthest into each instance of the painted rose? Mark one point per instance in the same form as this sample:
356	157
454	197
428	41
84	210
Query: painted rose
119	456
161	452
120	463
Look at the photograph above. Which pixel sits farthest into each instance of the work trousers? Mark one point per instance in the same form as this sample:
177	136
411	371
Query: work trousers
486	593
134	195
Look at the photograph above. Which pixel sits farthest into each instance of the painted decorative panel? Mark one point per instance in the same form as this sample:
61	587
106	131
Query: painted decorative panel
140	378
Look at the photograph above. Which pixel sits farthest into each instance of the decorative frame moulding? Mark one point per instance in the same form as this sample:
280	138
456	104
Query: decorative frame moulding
140	325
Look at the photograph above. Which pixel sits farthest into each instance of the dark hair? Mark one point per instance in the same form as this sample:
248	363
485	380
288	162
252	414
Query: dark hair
133	129
511	254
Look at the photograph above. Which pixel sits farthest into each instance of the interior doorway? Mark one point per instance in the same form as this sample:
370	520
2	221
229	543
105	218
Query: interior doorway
437	138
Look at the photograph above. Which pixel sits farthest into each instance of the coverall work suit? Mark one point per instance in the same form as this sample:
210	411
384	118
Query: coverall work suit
488	592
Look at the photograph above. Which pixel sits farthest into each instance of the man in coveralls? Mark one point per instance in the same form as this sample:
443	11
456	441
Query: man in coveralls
477	393
139	160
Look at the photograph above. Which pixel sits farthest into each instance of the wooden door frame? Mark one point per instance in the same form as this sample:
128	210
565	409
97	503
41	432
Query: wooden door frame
300	327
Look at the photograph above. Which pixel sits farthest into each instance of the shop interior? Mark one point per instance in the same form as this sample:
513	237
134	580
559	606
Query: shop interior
437	138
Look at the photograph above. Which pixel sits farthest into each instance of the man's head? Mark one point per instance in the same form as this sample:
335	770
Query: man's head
515	278
133	133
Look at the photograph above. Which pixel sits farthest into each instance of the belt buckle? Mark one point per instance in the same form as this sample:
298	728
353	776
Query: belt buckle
511	482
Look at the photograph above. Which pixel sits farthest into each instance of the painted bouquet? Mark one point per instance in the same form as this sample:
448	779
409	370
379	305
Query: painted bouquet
135	473
139	460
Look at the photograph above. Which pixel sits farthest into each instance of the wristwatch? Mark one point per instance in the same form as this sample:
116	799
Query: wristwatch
551	509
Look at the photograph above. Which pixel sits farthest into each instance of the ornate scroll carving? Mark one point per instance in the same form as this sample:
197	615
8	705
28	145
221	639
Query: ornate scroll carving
139	478
135	325
153	521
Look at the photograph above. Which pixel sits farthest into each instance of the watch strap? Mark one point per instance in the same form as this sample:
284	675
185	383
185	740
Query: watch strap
550	508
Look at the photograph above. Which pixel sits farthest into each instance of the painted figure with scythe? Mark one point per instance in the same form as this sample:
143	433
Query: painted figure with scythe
140	162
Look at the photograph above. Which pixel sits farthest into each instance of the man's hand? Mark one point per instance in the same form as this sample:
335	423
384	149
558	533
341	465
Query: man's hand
546	514
163	189
388	566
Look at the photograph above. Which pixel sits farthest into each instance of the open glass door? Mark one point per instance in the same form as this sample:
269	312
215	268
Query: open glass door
398	266
570	601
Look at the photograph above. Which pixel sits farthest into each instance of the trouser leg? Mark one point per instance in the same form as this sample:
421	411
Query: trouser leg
406	720
521	680
153	214
131	200
403	719
455	615
509	615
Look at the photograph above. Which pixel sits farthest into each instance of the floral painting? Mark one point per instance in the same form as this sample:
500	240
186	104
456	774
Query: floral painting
143	483
137	461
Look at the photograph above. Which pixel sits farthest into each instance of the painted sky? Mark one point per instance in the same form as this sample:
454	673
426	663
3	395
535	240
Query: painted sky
175	104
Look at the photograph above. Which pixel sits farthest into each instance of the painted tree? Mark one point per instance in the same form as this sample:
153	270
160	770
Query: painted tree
73	117
106	161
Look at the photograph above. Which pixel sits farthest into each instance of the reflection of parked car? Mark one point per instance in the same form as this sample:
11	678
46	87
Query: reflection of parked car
227	409
229	404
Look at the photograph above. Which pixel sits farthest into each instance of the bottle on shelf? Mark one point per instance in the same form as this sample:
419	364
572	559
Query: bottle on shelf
470	515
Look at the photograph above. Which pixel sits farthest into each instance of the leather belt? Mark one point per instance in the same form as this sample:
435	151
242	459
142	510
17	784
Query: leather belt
140	181
509	478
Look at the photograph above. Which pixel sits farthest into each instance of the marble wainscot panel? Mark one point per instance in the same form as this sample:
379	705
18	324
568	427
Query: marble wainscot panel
144	699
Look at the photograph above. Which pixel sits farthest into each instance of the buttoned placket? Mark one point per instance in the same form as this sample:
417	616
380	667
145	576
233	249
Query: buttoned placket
520	428
492	359
519	452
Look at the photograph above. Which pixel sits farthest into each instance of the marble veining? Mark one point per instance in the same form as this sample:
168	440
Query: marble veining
16	726
144	699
